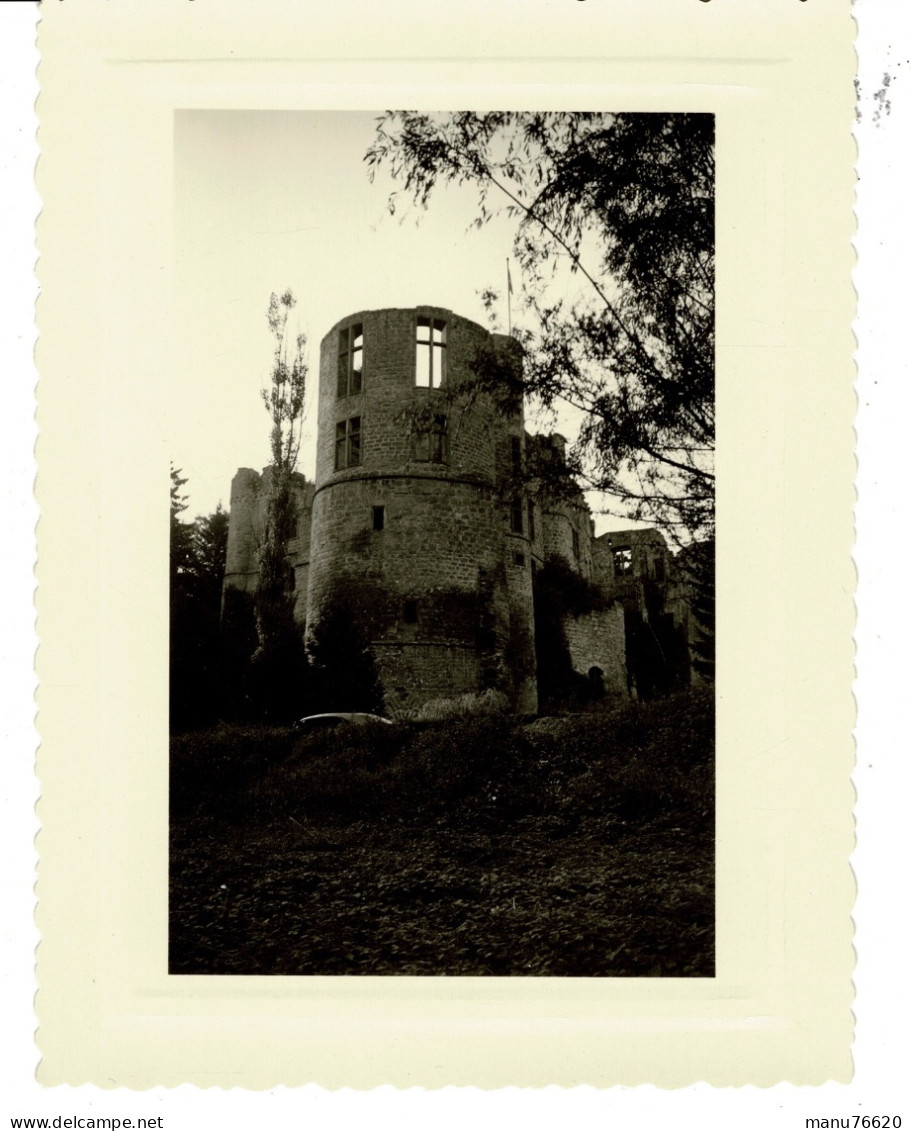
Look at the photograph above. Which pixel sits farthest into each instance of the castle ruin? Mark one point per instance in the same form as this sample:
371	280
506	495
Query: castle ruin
427	521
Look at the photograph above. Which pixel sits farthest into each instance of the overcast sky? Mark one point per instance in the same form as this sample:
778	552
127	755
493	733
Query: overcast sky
270	200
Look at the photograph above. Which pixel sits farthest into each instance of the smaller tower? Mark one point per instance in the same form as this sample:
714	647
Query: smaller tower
564	526
249	493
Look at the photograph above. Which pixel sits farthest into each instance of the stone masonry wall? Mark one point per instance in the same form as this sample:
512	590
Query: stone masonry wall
415	673
242	558
597	639
249	493
435	538
389	400
430	586
559	518
428	553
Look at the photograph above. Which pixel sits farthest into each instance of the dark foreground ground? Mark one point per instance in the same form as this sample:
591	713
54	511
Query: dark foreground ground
575	847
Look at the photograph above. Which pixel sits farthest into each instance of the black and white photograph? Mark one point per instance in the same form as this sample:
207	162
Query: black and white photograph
444	582
442	650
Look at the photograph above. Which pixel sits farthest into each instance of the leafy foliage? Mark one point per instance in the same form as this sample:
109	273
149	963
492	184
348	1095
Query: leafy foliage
343	670
571	847
238	643
278	666
196	570
699	570
625	203
558	592
656	652
277	680
181	535
209	543
284	398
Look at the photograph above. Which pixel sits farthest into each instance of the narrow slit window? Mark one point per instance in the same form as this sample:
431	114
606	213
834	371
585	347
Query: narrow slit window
515	516
531	520
438	439
430	353
410	611
341	445
379	518
576	547
357	359
354	441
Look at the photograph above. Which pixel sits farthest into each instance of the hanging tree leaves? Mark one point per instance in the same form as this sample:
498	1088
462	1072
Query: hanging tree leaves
621	206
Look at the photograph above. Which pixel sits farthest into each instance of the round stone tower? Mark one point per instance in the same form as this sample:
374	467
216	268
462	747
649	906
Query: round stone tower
416	526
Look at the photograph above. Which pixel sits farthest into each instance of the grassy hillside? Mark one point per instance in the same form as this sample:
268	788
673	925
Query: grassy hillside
581	846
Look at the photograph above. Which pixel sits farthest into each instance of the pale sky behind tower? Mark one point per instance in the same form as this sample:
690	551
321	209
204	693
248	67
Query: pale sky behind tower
270	200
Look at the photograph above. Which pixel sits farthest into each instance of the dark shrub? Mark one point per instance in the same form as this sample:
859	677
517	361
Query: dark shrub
209	768
238	643
343	669
560	592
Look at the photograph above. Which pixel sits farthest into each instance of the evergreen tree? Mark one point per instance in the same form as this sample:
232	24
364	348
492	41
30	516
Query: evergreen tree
181	550
209	541
197	571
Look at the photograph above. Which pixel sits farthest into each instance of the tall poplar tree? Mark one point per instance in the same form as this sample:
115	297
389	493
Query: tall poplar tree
278	667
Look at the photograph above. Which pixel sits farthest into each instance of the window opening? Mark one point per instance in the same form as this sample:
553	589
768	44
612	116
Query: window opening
431	443
518	559
350	360
623	561
515	516
515	451
410	611
576	548
430	353
348	443
531	520
379	518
